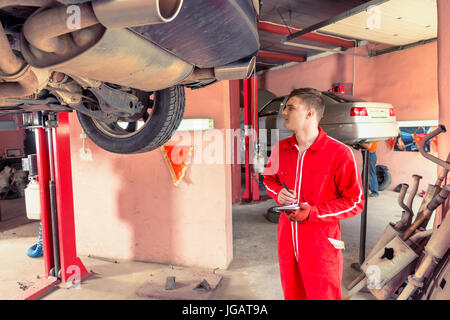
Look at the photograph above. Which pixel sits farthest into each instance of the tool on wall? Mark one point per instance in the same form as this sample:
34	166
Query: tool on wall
407	258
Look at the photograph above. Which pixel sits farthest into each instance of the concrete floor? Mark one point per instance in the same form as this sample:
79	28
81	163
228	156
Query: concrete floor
252	275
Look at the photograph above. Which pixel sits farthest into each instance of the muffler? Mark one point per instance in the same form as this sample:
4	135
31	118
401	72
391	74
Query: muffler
392	285
388	234
120	56
388	262
385	266
117	14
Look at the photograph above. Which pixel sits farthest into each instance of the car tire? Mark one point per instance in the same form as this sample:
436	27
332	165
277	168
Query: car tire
166	114
272	215
384	178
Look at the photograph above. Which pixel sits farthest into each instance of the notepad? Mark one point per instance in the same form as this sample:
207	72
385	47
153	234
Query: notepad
289	207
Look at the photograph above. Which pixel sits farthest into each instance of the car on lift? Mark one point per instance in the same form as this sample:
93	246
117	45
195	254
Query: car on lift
348	119
123	66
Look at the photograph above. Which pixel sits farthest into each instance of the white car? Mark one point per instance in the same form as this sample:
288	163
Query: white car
348	119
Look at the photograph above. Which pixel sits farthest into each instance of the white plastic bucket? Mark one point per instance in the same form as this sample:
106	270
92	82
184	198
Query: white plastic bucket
32	201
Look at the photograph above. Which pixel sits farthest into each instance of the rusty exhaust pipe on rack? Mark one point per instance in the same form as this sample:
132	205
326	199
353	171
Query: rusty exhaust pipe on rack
358	283
407	214
413	192
384	267
434	203
428	137
424	214
435	249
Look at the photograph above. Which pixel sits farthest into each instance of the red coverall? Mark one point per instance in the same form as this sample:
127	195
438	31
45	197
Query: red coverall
326	176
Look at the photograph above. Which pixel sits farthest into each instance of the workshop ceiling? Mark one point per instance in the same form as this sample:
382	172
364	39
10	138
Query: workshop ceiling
400	22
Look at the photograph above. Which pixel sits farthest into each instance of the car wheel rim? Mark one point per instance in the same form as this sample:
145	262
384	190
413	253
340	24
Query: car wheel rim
124	129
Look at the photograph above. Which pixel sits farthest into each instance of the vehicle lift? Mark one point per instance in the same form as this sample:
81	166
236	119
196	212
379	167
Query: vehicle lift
251	192
61	264
363	227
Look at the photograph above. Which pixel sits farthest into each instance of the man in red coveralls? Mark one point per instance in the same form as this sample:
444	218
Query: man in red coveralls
324	180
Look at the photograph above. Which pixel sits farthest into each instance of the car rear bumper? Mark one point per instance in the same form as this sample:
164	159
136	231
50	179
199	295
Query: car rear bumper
353	133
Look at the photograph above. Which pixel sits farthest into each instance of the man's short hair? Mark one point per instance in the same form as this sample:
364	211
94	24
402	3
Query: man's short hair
312	99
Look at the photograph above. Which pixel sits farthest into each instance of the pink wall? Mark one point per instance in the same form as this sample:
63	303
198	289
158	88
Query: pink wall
12	138
406	79
127	207
444	82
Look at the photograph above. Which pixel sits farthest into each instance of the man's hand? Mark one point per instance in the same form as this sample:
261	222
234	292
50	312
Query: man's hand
299	215
285	197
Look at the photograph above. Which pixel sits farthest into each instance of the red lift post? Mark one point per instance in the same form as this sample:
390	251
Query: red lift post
250	88
71	269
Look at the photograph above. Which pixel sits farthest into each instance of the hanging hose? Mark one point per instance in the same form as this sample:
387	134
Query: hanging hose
35	250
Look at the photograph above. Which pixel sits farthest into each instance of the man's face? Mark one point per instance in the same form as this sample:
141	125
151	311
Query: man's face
296	114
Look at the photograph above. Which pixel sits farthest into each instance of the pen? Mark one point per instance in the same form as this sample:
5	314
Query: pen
282	183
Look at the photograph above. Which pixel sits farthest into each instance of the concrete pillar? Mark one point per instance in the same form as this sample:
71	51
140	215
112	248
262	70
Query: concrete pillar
443	7
127	207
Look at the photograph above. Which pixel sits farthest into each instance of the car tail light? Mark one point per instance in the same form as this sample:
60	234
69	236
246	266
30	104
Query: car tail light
391	112
358	111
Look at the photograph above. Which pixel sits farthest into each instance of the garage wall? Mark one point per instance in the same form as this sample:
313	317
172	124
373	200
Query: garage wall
127	207
444	87
406	79
13	139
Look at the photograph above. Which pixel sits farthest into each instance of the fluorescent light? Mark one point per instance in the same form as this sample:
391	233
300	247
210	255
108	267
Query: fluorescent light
196	124
418	123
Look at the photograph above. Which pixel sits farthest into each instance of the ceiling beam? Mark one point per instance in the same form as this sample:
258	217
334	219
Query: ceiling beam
280	56
285	31
335	50
334	19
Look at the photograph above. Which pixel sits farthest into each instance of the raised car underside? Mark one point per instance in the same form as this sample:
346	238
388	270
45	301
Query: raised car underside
106	58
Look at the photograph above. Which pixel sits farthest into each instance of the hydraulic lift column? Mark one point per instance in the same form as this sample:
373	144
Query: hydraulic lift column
61	263
250	86
363	228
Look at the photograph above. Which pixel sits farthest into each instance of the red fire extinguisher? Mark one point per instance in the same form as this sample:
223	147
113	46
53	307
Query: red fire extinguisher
338	87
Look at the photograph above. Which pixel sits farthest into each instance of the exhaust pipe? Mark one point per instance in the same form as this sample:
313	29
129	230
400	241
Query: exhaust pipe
90	52
431	206
146	67
241	69
413	192
9	63
117	14
407	214
434	252
25	83
428	137
20	80
25	3
48	30
18	77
